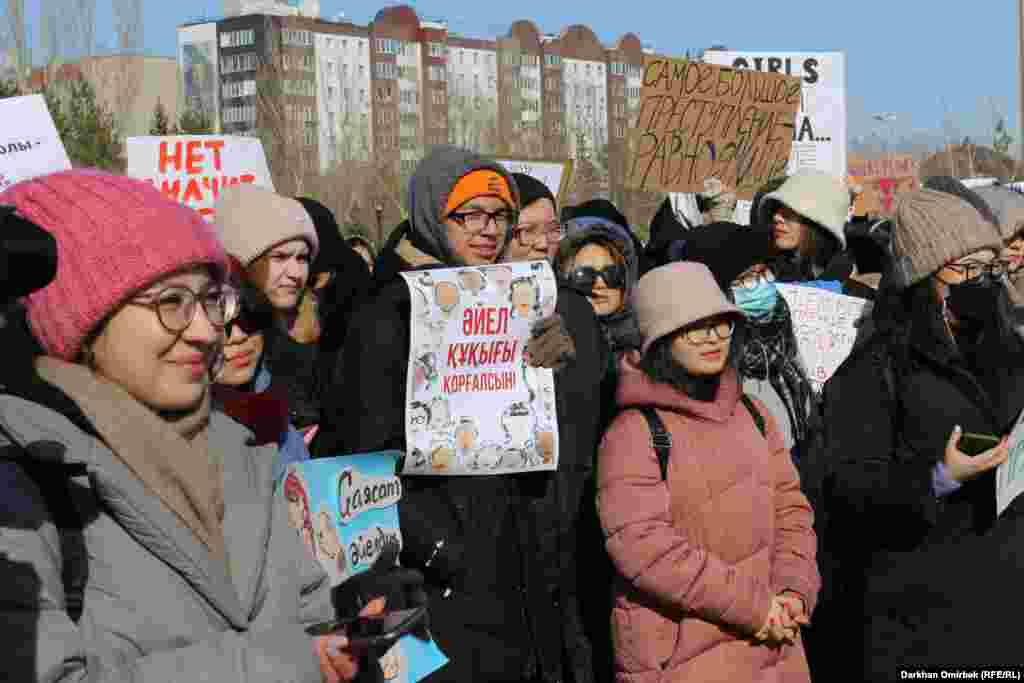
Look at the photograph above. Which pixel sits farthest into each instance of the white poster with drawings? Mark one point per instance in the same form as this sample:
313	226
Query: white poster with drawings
825	325
30	146
819	132
474	406
554	174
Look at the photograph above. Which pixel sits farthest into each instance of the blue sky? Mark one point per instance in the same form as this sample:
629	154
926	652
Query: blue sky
914	58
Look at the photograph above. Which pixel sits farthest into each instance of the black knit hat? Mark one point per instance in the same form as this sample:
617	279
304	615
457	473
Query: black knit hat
531	190
666	230
28	256
727	249
333	254
598	208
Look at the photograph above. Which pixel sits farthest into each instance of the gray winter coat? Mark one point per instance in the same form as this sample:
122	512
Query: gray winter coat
156	608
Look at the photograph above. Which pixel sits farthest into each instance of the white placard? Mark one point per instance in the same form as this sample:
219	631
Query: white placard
474	406
29	146
825	325
819	133
1010	475
686	208
192	169
551	173
741	214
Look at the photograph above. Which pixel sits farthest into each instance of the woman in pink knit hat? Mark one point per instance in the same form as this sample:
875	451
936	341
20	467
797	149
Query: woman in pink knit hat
139	533
700	502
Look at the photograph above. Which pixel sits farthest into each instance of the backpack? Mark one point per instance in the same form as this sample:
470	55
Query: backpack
54	483
661	440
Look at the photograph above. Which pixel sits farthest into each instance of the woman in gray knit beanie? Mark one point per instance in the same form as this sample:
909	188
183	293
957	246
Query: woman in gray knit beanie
917	422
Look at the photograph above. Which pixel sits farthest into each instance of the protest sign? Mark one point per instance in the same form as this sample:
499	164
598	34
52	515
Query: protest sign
554	174
193	169
741	214
30	146
1010	475
685	206
345	509
881	181
474	406
700	121
819	136
825	325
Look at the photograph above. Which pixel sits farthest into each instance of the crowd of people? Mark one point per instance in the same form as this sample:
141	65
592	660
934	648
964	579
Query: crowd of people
713	515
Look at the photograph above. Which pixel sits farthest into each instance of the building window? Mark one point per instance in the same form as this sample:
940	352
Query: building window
297	38
437	50
387	46
238	38
234	63
552	60
436	73
385	70
239	89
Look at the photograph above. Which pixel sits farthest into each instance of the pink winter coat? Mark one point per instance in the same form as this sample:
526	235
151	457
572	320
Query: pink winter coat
700	556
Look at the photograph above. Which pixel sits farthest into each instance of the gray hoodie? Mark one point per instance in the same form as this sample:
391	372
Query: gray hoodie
156	607
429	187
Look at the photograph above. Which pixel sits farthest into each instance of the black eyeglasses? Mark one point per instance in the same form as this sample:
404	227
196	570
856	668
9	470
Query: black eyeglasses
722	329
528	235
254	313
176	307
614	277
477	221
972	270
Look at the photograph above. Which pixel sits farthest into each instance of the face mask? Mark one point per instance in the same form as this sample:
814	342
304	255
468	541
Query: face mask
974	300
759	302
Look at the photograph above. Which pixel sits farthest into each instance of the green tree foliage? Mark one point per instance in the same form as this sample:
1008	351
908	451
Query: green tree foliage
195	122
160	125
9	89
87	128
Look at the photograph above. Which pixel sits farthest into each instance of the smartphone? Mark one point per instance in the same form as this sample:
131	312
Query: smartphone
976	444
380	631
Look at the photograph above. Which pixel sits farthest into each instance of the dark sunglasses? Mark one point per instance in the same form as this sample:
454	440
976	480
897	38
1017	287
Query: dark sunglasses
584	278
255	312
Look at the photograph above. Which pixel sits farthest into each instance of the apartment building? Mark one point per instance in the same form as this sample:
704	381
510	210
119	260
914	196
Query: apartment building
392	89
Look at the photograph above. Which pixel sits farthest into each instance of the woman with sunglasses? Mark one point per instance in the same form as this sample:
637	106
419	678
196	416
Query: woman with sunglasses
243	388
179	564
942	365
713	545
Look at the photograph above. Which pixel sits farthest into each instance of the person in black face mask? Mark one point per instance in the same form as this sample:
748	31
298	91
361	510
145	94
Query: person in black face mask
942	363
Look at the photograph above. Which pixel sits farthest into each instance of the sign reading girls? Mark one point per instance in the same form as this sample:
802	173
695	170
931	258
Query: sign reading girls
474	406
193	169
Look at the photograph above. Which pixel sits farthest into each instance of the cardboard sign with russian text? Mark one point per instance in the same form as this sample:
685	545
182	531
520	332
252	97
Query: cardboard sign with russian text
881	181
193	169
474	406
345	509
819	134
700	121
29	144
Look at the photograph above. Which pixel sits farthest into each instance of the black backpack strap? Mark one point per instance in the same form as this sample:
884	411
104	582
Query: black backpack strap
755	413
53	481
661	440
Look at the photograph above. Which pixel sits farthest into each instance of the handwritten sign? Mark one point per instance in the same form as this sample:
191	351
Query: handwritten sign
554	174
474	406
882	181
700	121
825	325
192	169
1010	475
30	146
346	509
819	136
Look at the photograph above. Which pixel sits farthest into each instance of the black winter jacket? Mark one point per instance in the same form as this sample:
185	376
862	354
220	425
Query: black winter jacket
510	543
886	527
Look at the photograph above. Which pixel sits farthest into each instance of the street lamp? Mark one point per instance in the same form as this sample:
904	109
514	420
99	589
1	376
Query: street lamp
379	210
890	119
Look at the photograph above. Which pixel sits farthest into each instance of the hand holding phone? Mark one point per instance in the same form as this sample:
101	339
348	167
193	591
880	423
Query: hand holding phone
374	632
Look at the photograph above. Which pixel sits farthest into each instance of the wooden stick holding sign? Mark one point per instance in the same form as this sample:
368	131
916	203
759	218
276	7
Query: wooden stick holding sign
701	121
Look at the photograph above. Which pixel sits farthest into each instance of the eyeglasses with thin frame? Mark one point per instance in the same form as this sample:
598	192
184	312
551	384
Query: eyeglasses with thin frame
752	280
972	270
529	234
476	221
176	306
722	329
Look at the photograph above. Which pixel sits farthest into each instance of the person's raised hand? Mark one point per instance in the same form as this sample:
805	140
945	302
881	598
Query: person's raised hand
339	662
961	467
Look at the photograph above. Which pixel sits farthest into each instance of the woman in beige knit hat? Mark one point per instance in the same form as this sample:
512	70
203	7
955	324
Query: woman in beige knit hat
908	476
709	532
808	213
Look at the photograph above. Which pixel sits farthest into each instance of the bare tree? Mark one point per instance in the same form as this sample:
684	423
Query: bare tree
14	38
128	24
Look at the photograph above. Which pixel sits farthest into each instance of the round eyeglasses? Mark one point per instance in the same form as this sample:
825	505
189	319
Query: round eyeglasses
176	306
